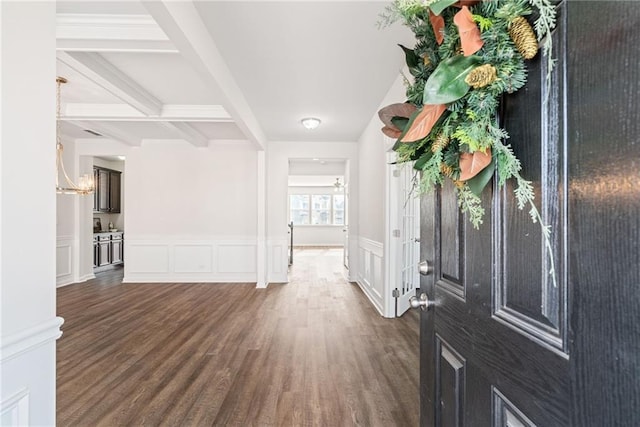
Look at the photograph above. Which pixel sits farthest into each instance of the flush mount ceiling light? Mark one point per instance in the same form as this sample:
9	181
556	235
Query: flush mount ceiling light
86	184
310	122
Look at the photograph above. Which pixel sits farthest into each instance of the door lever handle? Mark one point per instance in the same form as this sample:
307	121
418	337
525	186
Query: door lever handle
423	302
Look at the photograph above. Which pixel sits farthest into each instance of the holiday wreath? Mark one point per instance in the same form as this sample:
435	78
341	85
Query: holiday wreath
468	53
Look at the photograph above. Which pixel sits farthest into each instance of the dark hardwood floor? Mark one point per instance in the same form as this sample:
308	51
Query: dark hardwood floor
313	352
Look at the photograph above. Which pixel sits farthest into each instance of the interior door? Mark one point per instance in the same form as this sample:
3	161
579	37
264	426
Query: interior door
410	240
345	229
503	344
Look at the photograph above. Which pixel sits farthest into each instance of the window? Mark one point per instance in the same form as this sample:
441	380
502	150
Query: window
299	209
316	209
338	209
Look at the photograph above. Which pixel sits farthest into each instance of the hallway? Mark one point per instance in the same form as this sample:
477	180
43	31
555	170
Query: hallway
313	352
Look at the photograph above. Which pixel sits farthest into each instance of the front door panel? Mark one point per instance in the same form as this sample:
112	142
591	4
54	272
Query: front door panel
498	330
533	332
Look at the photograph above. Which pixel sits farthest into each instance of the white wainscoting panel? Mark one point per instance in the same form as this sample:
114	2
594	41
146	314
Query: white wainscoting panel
14	411
188	260
146	257
66	247
237	258
370	273
277	260
27	363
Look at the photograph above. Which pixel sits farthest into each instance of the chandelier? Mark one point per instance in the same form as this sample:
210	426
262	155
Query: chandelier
86	184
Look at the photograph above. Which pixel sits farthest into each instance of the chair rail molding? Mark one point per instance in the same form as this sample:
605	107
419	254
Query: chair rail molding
16	344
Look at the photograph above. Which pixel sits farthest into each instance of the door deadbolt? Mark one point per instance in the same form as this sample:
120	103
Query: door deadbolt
425	268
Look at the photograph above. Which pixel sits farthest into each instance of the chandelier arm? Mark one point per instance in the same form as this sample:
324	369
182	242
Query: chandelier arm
87	184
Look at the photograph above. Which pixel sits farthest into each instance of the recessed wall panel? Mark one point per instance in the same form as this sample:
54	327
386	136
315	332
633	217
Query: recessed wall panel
193	258
530	288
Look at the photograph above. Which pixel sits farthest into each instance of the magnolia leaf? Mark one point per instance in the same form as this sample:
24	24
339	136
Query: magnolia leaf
437	23
472	163
446	84
400	122
406	128
419	164
392	132
387	113
469	32
423	122
410	57
478	182
440	5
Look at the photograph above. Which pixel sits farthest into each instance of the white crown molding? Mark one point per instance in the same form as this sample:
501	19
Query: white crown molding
82	111
108	131
97	69
212	113
116	46
184	26
80	26
125	112
188	132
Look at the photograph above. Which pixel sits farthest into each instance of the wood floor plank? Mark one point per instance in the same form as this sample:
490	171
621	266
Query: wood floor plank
313	352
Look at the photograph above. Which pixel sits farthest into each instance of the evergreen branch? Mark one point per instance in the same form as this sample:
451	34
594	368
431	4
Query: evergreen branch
525	196
431	174
470	204
543	26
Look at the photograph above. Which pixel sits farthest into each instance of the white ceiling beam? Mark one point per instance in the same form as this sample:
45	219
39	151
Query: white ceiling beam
109	131
188	133
124	112
182	23
104	74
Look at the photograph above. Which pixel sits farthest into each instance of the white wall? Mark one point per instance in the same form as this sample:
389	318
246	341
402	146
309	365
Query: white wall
373	178
29	326
278	155
191	213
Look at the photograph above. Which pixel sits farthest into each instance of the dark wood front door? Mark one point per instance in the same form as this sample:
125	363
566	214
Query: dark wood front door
504	344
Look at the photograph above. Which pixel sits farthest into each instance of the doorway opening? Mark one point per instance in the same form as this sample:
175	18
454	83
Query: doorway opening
107	214
317	206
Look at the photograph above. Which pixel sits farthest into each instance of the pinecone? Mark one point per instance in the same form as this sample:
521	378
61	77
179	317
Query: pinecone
440	143
523	37
481	76
446	169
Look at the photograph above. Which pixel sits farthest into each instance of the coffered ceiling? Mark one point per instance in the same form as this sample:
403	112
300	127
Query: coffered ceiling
223	71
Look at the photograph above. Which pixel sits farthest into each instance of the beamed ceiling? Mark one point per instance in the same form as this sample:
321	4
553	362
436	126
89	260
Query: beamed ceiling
220	71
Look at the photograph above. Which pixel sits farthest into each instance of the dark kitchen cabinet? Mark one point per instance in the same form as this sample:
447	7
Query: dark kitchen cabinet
108	190
116	248
114	191
96	253
104	250
108	250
